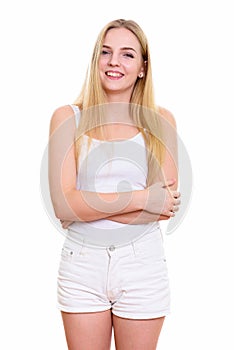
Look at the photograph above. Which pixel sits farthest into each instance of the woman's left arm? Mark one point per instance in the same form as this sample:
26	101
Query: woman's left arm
138	217
169	168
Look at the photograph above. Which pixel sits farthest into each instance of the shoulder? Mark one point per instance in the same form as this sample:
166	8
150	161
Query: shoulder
60	115
167	115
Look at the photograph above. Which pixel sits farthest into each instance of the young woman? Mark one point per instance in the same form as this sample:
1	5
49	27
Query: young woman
113	177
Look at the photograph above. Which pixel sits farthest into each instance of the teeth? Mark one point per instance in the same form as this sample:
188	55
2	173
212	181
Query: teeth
113	74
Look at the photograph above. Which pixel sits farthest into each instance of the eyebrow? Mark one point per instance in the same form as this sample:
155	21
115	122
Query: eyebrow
122	48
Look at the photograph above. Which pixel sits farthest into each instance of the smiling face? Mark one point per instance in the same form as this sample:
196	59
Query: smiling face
120	64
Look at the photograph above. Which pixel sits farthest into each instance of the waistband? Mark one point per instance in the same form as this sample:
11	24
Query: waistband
79	239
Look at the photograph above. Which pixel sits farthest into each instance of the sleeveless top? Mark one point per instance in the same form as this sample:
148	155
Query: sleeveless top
110	166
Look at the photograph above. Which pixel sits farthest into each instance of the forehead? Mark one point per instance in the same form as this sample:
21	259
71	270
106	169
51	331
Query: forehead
121	37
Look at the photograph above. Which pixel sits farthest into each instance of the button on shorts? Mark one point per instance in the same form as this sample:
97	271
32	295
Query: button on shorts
131	280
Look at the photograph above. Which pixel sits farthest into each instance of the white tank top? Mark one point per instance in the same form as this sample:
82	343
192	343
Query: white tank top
111	166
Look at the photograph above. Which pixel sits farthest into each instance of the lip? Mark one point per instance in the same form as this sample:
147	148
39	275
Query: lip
114	75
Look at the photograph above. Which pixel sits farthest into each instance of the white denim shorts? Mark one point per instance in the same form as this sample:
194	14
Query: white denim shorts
131	280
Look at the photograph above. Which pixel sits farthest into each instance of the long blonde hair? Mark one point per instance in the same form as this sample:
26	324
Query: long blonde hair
144	111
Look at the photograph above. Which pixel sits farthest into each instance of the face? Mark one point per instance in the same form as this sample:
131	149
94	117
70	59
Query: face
120	64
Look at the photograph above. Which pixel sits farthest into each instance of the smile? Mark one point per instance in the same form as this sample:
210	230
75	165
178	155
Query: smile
113	74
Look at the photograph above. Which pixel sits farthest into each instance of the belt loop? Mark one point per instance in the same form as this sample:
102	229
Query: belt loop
107	250
133	247
161	234
82	246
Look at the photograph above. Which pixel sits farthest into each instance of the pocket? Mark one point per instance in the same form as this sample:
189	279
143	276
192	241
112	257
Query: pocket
67	253
151	250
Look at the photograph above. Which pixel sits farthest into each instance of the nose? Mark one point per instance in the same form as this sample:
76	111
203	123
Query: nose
114	60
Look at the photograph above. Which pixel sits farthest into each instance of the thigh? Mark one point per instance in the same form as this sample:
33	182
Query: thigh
133	334
88	331
143	279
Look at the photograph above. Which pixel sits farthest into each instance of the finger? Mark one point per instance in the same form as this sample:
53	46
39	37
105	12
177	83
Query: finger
169	183
175	208
169	212
176	194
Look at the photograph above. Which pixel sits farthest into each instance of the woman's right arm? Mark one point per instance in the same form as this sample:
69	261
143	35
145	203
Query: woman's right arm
71	204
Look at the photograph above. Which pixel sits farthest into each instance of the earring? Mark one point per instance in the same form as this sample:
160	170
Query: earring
141	75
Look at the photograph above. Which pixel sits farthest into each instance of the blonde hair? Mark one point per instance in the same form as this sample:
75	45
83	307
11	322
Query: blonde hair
144	111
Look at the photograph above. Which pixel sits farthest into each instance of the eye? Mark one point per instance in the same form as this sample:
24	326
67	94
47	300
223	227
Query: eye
128	55
105	52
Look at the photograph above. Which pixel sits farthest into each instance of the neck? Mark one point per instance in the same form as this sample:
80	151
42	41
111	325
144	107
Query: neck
118	97
117	112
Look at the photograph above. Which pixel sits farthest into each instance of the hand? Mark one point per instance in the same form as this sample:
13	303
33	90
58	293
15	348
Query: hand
65	223
162	200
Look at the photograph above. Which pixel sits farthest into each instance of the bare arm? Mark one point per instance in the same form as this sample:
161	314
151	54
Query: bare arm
138	217
68	202
170	170
170	164
71	204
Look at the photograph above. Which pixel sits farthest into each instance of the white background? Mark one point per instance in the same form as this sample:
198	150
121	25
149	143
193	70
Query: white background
45	49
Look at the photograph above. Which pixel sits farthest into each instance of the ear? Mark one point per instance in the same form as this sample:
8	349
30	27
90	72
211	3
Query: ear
142	71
